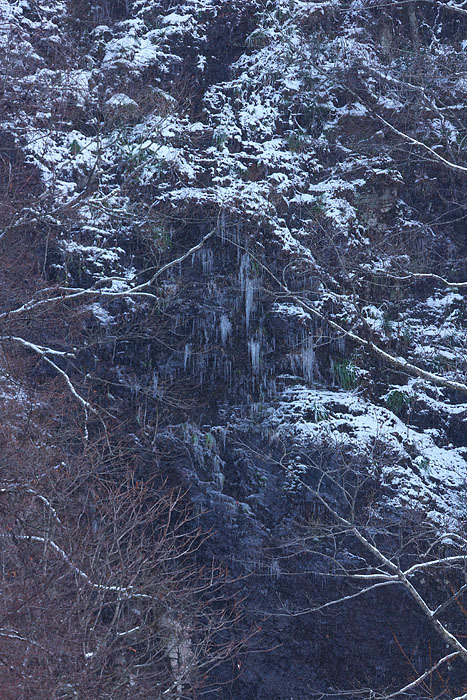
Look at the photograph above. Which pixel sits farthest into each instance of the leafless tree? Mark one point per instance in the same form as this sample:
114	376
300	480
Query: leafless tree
363	554
101	593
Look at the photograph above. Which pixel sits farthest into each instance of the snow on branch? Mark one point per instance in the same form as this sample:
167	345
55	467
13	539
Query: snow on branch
451	6
336	601
126	591
43	352
424	675
420	144
461	559
172	263
14	487
15	635
39	349
424	275
454	598
67	293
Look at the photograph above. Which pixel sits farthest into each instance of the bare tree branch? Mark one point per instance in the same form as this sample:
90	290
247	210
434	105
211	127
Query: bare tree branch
442	630
424	275
394	572
13	634
420	144
435	562
138	290
11	488
454	598
337	601
424	675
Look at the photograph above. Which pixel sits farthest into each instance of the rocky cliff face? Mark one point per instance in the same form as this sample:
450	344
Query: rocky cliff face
267	201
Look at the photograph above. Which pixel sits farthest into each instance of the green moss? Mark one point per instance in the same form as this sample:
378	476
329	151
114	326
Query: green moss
345	374
397	401
75	148
296	142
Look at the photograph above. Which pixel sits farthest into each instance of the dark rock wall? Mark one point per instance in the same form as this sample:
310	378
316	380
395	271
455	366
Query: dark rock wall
278	126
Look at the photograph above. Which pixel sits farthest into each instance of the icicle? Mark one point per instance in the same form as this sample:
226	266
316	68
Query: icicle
248	301
243	271
207	260
340	343
222	227
200	367
227	365
223	433
254	347
187	355
248	286
206	257
226	328
155	383
308	359
274	569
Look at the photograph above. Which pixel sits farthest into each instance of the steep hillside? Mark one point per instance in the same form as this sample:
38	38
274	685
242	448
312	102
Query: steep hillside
234	262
